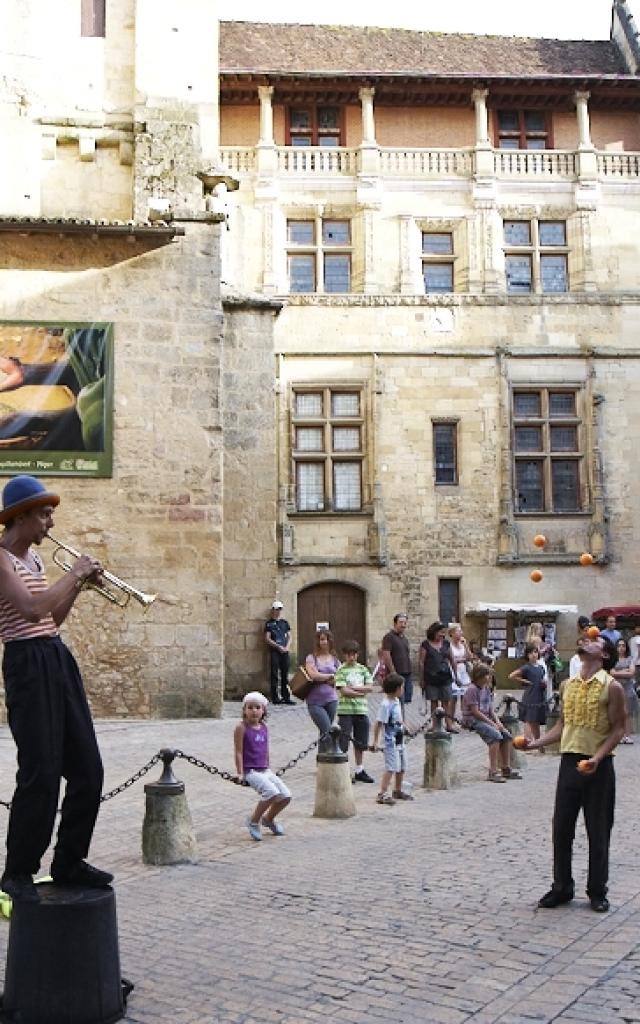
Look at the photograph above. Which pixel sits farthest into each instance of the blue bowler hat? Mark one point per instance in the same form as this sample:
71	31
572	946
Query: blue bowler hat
23	493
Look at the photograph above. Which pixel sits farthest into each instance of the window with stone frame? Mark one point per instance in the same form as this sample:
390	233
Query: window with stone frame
315	125
319	255
522	129
536	256
548	450
93	18
445	451
437	262
328	448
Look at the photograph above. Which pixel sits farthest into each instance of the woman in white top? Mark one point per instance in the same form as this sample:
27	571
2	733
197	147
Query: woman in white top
624	671
461	655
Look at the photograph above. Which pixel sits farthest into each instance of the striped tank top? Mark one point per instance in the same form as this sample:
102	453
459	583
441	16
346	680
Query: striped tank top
12	625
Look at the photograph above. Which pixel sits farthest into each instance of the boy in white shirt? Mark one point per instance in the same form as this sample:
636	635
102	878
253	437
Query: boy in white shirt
395	756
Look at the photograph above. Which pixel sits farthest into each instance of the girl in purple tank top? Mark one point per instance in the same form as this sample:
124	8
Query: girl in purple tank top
251	747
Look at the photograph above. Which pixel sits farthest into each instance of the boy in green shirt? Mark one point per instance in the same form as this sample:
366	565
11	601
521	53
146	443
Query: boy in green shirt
353	683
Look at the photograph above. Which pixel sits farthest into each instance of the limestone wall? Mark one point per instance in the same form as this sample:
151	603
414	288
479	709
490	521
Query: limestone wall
158	522
250	489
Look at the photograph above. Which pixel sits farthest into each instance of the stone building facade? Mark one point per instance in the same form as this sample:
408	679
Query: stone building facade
449	224
104	217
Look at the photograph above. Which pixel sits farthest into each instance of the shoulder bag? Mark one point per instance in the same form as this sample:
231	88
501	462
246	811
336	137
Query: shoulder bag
301	684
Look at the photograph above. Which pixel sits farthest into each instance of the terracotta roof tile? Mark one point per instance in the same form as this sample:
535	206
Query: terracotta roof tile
343	50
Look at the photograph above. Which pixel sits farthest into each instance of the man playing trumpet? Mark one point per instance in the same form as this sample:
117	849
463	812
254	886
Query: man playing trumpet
47	708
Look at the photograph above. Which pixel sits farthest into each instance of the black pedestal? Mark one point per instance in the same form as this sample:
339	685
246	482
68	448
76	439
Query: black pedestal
63	965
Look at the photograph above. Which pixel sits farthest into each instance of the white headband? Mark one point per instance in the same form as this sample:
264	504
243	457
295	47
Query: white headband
255	698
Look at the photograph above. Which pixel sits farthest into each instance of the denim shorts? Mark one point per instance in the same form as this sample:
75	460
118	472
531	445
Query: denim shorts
395	757
267	784
490	733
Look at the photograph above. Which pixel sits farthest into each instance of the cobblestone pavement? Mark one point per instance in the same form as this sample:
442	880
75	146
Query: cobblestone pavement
422	913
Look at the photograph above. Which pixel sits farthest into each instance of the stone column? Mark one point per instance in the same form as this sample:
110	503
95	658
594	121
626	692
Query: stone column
479	97
587	192
267	161
582	114
368	122
265	92
369	166
484	171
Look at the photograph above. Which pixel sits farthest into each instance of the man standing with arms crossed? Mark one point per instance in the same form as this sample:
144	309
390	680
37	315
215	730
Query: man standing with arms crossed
277	636
47	708
590	726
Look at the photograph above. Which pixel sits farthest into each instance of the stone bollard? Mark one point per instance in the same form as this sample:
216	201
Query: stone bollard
553	716
167	831
439	767
334	789
511	722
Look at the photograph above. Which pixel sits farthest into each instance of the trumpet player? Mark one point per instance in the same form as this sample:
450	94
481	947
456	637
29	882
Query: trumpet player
47	709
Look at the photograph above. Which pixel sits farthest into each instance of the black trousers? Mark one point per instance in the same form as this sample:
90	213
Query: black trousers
279	675
595	795
51	724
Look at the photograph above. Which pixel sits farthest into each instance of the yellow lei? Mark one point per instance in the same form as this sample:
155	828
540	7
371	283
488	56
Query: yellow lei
581	701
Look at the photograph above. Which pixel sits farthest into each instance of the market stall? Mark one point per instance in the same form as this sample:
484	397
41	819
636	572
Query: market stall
503	626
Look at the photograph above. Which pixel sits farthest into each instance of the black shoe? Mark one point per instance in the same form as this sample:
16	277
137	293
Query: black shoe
553	898
600	904
81	874
20	888
276	700
362	776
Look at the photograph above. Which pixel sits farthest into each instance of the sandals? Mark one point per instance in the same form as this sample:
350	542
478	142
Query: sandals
496	777
511	773
384	798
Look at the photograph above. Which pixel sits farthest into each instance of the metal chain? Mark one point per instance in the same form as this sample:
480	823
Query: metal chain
421	728
294	760
130	781
197	763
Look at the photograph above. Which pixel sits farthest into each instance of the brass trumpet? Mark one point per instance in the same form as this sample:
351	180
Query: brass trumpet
116	591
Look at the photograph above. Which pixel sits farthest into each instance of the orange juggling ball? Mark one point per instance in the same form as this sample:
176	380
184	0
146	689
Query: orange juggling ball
586	558
520	743
593	632
535	576
539	540
582	766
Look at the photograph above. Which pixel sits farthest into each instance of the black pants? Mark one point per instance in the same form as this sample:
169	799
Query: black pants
51	724
279	675
595	794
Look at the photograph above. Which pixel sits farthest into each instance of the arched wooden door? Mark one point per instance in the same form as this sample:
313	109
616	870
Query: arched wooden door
339	604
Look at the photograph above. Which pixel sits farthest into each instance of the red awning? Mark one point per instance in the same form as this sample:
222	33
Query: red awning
623	611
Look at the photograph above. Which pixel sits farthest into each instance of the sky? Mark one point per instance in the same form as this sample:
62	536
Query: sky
552	19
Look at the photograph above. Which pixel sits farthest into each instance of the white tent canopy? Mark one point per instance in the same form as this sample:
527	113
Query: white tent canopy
504	607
